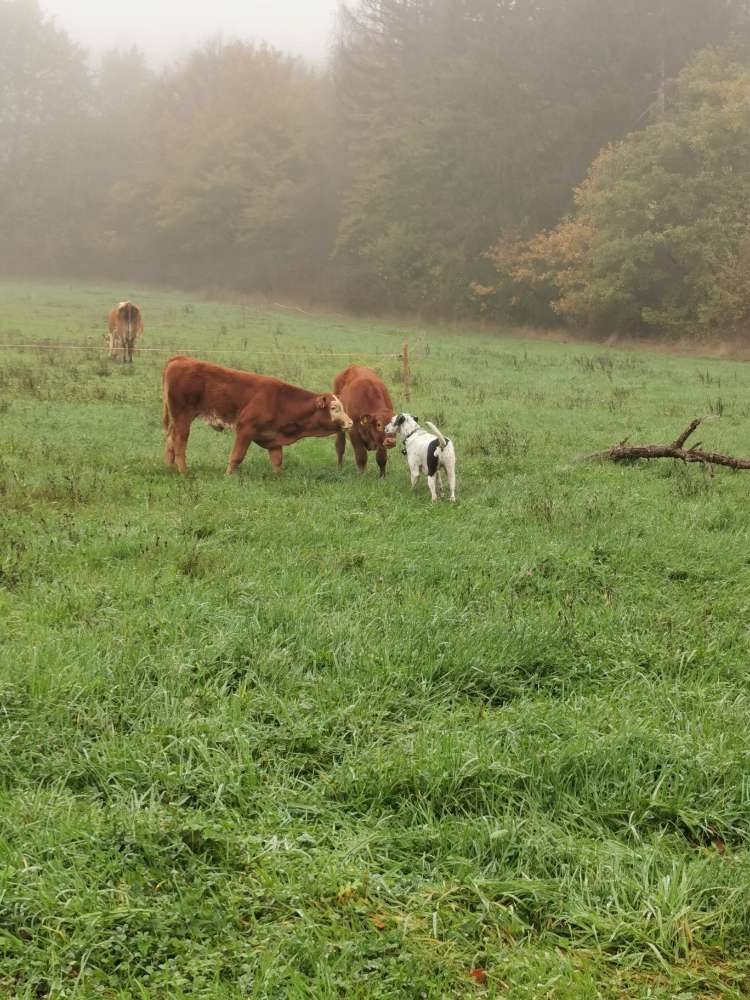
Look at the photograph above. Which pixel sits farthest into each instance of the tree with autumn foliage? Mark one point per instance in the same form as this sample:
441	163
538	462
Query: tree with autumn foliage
465	118
659	240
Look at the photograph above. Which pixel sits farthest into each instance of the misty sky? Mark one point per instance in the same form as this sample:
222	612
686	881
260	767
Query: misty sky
165	28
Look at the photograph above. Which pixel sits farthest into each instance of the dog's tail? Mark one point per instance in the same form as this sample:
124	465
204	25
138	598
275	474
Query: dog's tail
438	435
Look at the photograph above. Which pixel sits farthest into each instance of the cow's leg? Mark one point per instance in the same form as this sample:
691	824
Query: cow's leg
360	454
381	457
340	447
242	441
169	452
180	433
276	455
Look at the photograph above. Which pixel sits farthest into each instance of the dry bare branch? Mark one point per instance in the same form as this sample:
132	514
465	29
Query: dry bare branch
623	452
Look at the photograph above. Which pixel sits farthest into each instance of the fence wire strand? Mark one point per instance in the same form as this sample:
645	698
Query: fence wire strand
94	349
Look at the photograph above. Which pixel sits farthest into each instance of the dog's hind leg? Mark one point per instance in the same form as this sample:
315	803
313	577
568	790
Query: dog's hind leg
450	468
431	480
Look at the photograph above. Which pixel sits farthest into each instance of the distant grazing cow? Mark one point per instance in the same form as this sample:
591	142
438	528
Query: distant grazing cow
125	323
258	408
366	400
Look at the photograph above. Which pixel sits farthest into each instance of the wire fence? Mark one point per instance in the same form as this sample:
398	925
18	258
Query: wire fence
279	353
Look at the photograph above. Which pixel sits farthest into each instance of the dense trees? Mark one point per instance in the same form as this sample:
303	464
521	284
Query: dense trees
659	241
467	117
227	181
220	171
441	128
45	102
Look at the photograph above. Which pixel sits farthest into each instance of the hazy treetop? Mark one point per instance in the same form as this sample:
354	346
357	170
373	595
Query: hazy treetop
168	28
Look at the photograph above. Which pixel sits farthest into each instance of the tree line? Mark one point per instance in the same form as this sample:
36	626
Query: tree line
536	161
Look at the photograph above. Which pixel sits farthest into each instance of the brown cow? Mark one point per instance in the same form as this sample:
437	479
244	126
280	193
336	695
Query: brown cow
124	323
257	407
366	400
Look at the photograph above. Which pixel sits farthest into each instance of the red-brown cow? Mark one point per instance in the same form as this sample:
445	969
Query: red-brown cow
124	324
366	400
258	408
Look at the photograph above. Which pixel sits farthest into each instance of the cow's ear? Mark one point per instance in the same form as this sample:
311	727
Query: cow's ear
323	402
364	420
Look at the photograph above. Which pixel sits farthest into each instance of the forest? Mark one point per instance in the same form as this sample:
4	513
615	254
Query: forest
536	162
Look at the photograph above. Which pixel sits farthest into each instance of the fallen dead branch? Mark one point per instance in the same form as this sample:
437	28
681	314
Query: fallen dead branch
624	452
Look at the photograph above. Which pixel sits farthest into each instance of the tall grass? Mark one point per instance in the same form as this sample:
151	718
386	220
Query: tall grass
313	737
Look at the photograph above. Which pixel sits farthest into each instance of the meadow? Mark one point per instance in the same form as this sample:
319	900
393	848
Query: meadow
313	737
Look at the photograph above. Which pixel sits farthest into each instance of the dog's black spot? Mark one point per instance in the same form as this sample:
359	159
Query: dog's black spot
400	419
433	459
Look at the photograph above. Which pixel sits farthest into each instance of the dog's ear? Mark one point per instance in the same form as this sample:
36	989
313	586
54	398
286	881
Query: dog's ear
415	416
399	419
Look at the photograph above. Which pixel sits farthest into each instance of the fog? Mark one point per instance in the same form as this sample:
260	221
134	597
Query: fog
516	160
164	29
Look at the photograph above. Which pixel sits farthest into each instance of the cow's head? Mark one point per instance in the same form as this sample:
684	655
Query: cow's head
331	411
372	428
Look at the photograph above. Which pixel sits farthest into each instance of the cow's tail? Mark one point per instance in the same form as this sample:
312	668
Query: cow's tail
438	435
166	416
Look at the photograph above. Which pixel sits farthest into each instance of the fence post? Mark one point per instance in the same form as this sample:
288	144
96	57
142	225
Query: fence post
407	373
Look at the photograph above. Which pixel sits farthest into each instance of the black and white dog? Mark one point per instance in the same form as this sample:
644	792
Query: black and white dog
425	452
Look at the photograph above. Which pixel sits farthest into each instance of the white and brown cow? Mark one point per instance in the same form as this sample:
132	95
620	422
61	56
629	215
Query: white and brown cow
124	323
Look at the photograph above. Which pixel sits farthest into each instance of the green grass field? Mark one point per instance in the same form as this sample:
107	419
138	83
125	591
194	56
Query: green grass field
312	737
